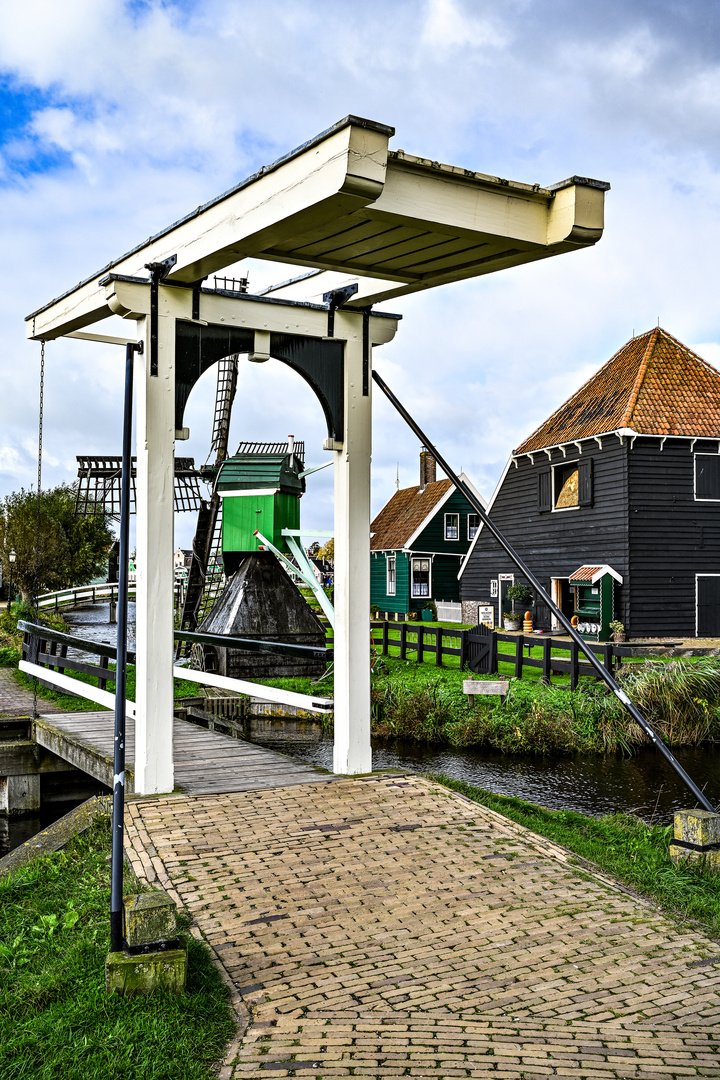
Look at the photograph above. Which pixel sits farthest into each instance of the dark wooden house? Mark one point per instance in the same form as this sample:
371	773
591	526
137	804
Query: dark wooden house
418	541
626	473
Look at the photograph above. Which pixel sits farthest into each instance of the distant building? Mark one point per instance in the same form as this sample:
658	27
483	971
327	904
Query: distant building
625	474
418	541
183	559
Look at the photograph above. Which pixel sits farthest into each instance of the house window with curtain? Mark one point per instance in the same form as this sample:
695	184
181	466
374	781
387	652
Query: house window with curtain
473	525
390	582
420	577
452	526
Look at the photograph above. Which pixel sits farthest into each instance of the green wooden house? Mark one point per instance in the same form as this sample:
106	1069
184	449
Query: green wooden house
418	541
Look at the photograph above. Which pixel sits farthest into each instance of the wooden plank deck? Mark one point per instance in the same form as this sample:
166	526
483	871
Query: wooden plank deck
206	762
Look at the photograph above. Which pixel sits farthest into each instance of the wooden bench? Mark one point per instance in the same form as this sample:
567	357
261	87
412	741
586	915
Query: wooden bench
496	687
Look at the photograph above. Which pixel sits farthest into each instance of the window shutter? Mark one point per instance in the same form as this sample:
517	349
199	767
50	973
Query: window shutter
585	483
544	490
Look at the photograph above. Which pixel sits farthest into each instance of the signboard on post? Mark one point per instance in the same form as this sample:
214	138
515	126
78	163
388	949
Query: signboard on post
486	616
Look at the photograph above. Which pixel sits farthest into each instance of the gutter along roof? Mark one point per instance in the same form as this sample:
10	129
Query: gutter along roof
654	385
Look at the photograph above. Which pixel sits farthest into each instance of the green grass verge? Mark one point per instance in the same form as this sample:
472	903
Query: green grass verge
56	1020
632	851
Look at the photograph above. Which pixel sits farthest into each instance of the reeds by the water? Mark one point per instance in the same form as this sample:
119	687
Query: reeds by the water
680	699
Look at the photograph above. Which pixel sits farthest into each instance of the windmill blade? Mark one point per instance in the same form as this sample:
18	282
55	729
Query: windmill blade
224	395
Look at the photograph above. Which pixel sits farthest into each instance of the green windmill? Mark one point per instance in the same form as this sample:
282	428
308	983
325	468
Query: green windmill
259	489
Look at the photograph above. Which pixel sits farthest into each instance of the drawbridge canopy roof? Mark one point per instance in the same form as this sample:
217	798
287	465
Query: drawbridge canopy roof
347	206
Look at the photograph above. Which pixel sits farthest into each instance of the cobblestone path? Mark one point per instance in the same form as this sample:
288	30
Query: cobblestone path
16	701
385	927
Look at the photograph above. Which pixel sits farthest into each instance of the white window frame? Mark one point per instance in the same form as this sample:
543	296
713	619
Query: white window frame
500	579
555	494
476	528
391	563
700	498
413	560
452	539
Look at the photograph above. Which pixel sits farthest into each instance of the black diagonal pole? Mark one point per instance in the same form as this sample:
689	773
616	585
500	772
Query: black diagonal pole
600	671
118	824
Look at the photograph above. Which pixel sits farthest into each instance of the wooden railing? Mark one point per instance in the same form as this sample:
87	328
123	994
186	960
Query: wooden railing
81	594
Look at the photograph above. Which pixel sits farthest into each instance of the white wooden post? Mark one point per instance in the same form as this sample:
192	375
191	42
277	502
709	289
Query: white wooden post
352	752
154	772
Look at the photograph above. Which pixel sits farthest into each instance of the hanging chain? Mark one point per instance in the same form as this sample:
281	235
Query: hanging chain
37	521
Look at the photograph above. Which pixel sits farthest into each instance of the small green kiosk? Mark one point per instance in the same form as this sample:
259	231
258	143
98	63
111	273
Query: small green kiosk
595	600
260	491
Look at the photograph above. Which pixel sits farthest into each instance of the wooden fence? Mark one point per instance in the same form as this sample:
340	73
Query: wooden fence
415	640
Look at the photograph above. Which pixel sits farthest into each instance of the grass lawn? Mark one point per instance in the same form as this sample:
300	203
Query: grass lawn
56	1020
632	851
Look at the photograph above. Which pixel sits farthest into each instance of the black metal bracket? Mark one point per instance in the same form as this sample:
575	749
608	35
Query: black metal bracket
366	352
335	299
197	285
158	272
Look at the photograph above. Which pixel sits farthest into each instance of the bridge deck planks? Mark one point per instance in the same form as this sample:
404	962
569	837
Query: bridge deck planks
206	762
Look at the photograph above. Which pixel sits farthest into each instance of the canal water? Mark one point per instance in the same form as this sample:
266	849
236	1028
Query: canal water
14	831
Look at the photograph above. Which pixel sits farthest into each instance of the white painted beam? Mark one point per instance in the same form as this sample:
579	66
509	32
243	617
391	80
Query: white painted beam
346	205
352	752
154	772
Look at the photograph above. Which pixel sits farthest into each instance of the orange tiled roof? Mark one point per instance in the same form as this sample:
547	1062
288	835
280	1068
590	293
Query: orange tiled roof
407	509
584	573
654	385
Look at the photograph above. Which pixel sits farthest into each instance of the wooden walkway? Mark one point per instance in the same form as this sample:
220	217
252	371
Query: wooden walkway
206	762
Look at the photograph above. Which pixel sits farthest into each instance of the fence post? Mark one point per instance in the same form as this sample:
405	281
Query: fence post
608	657
463	649
573	665
519	656
438	646
104	666
386	638
493	653
420	643
546	668
403	640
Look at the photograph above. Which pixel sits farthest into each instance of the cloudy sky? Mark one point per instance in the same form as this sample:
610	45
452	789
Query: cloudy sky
118	117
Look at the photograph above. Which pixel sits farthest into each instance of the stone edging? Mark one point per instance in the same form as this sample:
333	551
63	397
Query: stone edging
58	834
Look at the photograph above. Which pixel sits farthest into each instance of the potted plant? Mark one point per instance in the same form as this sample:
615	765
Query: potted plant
516	593
617	629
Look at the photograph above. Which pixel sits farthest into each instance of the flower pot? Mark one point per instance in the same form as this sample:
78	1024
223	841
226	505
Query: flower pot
619	637
511	624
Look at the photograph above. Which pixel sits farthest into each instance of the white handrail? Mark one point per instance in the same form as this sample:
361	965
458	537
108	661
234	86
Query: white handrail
205	678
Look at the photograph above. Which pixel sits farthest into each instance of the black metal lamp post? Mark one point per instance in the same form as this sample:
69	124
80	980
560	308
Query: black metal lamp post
11	559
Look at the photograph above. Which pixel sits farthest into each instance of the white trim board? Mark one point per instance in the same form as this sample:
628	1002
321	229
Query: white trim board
75	686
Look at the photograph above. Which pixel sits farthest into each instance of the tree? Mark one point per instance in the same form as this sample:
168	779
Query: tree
327	551
73	546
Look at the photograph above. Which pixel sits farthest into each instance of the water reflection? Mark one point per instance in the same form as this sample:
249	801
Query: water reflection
16	830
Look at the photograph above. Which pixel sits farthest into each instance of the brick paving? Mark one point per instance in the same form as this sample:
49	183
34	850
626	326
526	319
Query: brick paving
16	701
385	927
